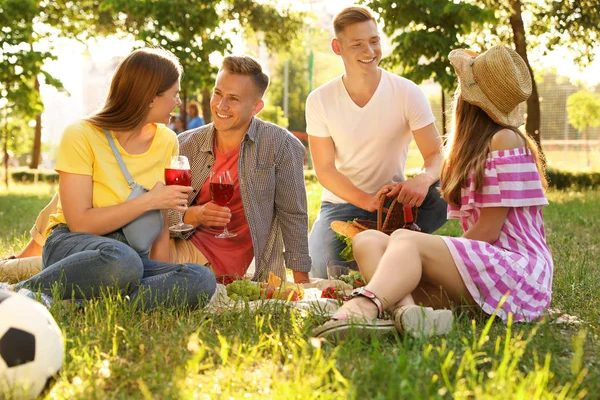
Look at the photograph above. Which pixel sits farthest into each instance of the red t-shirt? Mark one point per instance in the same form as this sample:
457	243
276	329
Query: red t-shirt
230	257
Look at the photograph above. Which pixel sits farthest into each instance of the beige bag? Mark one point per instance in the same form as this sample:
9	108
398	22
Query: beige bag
18	269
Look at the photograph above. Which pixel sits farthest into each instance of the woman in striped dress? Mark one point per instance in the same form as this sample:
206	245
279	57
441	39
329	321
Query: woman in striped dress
494	184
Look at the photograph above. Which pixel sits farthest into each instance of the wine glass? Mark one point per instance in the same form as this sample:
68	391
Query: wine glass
221	192
178	172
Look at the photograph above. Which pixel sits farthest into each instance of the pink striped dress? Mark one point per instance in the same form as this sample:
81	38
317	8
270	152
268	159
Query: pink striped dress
519	263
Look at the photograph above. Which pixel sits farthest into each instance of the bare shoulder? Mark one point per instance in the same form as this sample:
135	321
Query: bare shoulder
506	139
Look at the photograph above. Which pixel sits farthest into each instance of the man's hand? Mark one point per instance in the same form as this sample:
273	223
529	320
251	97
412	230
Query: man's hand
412	191
208	214
301	277
373	202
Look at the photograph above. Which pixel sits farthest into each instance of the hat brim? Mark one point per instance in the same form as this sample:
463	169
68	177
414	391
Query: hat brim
461	60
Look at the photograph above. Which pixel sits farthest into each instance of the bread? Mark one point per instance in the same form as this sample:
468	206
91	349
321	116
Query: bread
346	229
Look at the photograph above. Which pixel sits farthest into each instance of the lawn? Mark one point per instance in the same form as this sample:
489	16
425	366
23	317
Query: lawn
116	352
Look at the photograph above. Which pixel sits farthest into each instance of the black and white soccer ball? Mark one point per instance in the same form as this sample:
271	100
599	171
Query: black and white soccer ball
31	347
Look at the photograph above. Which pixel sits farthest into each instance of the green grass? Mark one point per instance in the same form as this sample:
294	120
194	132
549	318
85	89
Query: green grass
116	352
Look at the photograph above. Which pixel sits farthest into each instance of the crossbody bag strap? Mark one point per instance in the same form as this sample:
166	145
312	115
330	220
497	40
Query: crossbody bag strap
120	161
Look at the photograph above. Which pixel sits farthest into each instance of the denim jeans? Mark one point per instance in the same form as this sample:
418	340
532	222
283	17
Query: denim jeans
324	246
85	263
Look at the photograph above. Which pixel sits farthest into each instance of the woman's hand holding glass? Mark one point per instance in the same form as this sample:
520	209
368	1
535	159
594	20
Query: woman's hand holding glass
178	174
162	197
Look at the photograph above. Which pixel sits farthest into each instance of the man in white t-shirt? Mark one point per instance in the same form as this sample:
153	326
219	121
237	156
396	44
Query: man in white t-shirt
360	126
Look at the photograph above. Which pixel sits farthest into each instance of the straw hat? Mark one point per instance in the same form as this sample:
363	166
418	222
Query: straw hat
497	81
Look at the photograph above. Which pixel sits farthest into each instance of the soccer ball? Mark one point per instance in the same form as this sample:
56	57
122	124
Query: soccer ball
31	347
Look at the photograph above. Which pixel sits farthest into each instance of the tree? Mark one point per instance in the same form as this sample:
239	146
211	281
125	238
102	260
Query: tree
434	27
553	23
583	110
20	64
194	30
79	20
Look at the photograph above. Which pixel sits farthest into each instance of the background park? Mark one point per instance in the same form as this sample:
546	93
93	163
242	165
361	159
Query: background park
56	61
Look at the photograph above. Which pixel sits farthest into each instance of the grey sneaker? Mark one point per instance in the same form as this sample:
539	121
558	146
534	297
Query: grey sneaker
44	298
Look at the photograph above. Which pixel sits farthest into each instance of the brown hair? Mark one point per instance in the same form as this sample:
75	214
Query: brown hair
351	15
468	146
141	76
248	66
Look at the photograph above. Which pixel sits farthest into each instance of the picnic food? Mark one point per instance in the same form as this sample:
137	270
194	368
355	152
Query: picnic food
346	229
354	278
243	290
331	293
275	288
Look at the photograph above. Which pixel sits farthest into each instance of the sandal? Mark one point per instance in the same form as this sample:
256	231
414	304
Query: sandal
339	328
420	321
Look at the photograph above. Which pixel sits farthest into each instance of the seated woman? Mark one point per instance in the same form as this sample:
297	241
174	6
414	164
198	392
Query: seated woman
89	246
493	182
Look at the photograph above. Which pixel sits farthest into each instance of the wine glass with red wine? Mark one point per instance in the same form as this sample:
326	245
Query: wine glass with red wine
178	172
221	191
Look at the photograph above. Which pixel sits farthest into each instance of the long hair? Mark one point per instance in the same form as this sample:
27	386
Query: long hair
468	146
139	78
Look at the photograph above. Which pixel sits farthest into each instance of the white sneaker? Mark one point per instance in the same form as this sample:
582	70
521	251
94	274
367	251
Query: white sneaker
4	286
422	321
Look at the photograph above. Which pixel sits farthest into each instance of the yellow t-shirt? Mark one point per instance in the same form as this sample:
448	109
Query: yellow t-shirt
85	150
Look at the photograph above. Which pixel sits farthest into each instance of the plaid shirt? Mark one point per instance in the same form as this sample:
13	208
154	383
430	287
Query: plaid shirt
271	178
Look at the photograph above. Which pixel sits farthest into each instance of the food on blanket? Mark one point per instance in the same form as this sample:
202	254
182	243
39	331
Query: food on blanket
346	229
274	288
354	278
331	293
345	232
243	290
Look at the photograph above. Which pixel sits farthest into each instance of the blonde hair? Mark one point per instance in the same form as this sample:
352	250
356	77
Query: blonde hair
351	15
468	146
139	78
247	66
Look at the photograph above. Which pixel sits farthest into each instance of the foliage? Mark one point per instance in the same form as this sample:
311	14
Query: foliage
434	27
297	54
583	108
297	89
441	25
29	176
274	114
568	21
20	134
174	25
561	180
20	62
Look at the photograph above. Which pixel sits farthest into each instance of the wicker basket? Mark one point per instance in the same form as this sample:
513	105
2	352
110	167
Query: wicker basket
394	217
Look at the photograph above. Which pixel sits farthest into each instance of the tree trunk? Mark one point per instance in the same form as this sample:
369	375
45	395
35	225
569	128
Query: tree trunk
183	107
37	139
443	114
206	105
532	125
6	147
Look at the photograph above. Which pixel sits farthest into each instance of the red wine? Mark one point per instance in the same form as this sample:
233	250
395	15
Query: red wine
181	177
221	193
409	222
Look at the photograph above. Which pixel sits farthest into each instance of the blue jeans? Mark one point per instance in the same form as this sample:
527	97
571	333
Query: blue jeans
84	264
324	246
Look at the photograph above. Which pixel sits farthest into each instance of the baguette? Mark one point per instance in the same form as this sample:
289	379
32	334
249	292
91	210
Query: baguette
346	229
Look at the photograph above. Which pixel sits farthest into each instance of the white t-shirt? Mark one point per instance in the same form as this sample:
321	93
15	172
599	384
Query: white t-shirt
371	143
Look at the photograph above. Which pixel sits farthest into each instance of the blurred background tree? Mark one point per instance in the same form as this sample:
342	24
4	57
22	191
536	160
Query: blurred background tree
423	32
439	23
583	108
195	30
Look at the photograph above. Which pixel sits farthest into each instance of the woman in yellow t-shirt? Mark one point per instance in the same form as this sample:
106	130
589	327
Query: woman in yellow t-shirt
87	249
